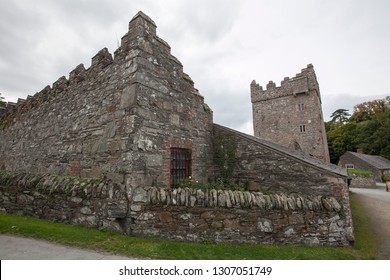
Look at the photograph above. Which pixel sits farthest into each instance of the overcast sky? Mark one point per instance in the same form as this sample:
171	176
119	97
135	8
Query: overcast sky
223	45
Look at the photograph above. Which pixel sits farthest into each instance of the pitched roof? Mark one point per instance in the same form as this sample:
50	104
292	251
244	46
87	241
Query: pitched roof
297	155
376	161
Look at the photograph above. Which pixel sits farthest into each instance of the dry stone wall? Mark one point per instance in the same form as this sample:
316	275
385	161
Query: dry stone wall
239	217
182	214
82	201
361	181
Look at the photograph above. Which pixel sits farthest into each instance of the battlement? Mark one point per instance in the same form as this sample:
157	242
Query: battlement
141	41
302	83
291	114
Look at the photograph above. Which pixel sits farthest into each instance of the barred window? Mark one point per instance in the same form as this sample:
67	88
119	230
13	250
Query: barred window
180	165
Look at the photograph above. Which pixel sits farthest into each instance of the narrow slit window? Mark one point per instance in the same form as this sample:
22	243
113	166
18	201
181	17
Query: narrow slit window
180	165
302	128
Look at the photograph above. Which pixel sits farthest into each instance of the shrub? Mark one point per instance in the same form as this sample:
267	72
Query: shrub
386	178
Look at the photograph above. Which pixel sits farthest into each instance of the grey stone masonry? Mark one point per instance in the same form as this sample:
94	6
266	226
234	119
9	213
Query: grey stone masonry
241	217
182	214
272	167
119	118
291	114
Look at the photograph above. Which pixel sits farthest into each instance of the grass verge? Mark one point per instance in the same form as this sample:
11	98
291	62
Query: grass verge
360	172
365	240
165	249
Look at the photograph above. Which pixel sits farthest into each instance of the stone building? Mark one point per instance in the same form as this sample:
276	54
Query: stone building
136	120
136	115
378	165
291	115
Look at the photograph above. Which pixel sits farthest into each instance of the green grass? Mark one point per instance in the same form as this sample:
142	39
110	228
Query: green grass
365	240
165	249
359	172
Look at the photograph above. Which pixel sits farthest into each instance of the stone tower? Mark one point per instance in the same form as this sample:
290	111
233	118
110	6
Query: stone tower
291	115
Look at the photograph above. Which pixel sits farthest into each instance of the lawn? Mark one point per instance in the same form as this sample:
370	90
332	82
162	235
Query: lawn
359	172
165	249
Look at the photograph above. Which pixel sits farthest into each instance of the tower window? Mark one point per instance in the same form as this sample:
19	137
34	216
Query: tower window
180	165
301	107
302	128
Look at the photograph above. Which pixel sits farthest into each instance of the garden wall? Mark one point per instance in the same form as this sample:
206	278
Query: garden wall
240	217
181	214
362	181
90	202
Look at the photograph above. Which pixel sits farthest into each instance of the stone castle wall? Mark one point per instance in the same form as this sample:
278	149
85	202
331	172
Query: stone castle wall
291	114
119	118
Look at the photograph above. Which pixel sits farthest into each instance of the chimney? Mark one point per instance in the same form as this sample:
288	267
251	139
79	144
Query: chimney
360	151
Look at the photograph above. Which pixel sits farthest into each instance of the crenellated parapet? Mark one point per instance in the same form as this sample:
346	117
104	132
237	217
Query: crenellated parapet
139	48
118	116
291	114
303	83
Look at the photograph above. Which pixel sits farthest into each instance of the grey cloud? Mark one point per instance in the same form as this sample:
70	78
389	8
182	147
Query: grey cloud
223	45
203	22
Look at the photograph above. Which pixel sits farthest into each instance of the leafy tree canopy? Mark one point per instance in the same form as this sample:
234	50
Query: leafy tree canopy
367	128
368	110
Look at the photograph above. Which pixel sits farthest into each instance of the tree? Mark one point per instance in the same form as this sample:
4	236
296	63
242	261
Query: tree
2	103
340	116
367	110
374	135
342	139
368	128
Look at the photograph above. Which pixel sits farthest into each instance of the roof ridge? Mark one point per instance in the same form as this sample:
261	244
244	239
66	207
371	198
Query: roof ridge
374	160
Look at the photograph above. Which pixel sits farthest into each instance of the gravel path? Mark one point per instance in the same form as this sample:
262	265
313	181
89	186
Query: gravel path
377	204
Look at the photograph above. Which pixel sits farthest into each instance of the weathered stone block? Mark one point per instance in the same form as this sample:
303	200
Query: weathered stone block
117	209
140	195
166	217
231	224
85	210
128	96
296	219
264	225
146	216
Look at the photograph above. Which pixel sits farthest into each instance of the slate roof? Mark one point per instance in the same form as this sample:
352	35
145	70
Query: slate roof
376	161
298	155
